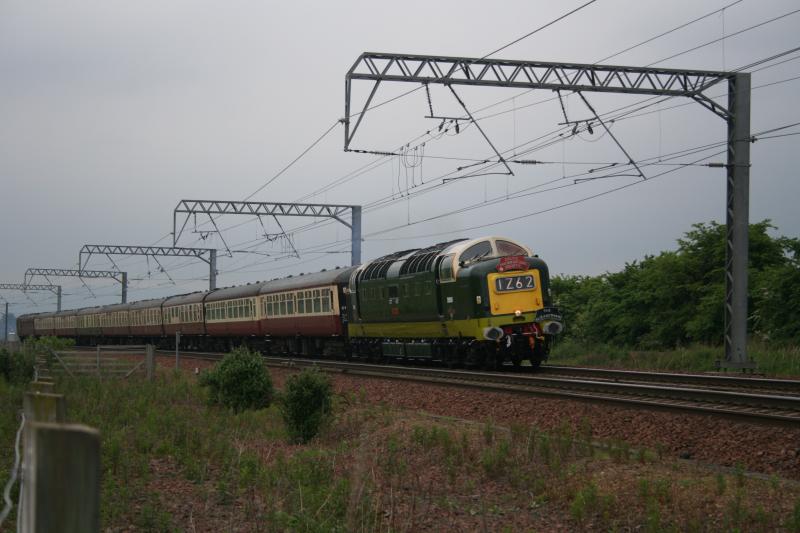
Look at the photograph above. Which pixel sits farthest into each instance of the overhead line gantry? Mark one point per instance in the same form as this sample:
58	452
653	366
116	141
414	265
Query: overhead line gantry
207	255
121	277
452	71
273	209
56	289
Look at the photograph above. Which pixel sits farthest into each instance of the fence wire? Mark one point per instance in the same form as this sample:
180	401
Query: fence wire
14	472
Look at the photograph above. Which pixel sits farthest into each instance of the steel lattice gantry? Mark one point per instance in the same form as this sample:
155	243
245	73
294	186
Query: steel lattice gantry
121	277
450	71
28	287
275	209
207	255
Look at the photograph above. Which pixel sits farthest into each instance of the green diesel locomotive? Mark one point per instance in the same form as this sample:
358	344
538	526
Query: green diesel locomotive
480	302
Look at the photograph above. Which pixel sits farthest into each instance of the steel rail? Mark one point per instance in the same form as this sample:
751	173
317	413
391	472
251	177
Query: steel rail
772	409
717	381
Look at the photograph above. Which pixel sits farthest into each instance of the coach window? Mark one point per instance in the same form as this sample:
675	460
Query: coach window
326	301
317	303
290	304
301	303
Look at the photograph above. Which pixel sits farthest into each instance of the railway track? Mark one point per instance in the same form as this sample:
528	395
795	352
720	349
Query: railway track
748	406
712	381
771	401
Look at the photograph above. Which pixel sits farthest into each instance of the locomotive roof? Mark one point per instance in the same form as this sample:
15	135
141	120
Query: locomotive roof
422	259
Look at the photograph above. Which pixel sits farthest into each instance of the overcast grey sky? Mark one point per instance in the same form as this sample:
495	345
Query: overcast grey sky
112	112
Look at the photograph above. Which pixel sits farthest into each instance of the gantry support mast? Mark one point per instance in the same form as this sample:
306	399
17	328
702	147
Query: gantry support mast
121	277
450	71
207	255
56	289
274	209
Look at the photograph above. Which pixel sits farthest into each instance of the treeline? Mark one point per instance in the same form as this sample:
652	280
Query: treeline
676	298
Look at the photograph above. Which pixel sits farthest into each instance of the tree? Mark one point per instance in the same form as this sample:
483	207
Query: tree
677	297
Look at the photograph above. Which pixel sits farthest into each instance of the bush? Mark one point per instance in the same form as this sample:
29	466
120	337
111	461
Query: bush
306	404
240	381
16	367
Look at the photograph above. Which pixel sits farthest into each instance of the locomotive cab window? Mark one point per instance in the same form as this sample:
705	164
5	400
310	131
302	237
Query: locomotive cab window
476	251
505	249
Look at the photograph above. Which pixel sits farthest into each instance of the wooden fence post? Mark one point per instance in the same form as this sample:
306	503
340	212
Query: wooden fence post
41	386
150	362
98	359
44	407
62	479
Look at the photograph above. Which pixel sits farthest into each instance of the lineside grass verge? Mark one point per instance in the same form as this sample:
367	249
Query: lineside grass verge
172	462
779	361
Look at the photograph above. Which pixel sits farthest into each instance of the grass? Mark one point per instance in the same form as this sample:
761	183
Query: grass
172	462
771	360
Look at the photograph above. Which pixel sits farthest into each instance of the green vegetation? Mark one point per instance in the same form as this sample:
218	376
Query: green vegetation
240	381
633	318
675	298
306	404
773	360
17	366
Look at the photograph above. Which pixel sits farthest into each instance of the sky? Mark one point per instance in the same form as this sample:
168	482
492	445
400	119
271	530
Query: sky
112	112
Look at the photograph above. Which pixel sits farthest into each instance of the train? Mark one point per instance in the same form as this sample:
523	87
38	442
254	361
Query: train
481	302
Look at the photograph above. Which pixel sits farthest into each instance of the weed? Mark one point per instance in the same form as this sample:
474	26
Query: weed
152	518
588	502
394	464
545	451
793	524
737	513
306	404
653	519
738	474
240	381
518	432
530	444
495	460
722	484
564	441
489	432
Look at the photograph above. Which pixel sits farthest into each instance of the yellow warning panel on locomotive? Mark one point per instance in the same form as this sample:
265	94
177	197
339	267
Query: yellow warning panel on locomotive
512	292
